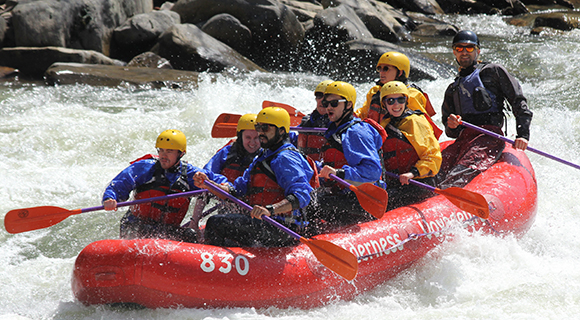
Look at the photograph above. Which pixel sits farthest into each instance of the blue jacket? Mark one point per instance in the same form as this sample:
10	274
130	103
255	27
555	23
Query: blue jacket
142	171
217	162
360	145
293	173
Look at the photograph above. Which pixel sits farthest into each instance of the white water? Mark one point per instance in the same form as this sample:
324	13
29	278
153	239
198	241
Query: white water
60	146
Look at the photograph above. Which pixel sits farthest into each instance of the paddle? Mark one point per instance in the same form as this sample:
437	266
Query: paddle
373	199
335	258
468	201
499	136
225	126
28	219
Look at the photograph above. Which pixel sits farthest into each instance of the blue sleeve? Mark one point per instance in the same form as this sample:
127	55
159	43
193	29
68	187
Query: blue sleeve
120	187
216	163
293	174
360	145
293	138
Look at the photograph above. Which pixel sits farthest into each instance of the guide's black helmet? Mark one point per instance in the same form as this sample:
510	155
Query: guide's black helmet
466	36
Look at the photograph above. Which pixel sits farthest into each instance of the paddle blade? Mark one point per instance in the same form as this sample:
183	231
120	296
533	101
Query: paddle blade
225	126
295	115
28	219
372	198
335	258
471	202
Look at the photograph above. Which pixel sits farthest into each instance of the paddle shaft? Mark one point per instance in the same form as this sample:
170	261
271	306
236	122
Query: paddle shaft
499	136
411	181
299	129
160	198
212	185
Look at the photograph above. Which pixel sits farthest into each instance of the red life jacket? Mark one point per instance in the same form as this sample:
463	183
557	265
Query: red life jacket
264	189
399	155
376	112
235	164
310	144
170	211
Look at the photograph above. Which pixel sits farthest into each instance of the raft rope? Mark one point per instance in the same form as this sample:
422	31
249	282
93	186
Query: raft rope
416	236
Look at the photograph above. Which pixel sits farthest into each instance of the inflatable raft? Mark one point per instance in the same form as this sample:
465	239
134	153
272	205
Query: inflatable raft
161	274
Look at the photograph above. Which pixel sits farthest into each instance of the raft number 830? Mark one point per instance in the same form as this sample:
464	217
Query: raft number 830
241	263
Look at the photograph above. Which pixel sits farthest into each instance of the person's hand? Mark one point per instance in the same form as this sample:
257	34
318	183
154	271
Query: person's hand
258	211
405	177
199	179
453	121
326	171
521	144
110	205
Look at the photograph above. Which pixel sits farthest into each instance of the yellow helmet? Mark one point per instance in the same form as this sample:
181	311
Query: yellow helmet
322	86
172	139
396	59
276	116
247	122
393	87
342	89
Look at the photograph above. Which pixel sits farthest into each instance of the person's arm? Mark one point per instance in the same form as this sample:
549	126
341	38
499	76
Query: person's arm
447	110
360	145
119	189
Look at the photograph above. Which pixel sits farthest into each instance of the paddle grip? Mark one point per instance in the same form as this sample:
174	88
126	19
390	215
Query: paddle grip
411	181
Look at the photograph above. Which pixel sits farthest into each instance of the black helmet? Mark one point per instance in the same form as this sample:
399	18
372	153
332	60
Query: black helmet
466	36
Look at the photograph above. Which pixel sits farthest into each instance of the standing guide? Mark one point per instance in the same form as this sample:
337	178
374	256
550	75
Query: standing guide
477	96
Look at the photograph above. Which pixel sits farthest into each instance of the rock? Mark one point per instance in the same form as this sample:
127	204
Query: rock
113	76
72	23
149	60
139	33
426	26
557	20
6	72
276	31
189	48
421	6
509	7
33	61
229	30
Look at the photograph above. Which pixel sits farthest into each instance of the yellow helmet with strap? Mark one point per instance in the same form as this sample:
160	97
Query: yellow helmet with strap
397	59
247	122
322	86
394	87
342	89
276	116
172	139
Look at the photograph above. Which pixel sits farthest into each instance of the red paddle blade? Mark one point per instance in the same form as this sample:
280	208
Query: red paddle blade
28	219
335	258
295	115
225	126
372	198
471	202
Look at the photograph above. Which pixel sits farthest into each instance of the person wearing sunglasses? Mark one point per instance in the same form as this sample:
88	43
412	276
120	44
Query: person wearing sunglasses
351	152
394	66
411	149
477	96
310	143
152	176
277	184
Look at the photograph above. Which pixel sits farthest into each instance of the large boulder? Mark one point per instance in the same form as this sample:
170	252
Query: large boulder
188	48
139	33
80	24
113	76
506	7
276	31
229	30
33	61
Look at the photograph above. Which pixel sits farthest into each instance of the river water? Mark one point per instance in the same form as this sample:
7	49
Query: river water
60	146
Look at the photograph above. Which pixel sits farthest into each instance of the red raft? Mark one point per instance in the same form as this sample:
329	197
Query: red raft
163	274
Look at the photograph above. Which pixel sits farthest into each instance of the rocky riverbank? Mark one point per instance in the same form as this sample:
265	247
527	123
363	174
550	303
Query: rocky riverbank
341	39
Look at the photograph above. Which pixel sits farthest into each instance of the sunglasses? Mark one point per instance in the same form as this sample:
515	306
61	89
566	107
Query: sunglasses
391	101
468	49
332	103
382	68
263	127
319	95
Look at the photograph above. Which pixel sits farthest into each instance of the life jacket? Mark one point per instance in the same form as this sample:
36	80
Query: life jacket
376	112
235	164
399	155
264	188
310	144
170	211
472	95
